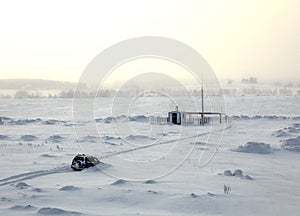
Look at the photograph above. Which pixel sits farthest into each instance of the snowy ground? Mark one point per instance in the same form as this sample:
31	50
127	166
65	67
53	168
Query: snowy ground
155	169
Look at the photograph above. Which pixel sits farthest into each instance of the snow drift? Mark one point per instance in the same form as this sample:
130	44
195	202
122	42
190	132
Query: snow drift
292	144
237	173
288	131
254	147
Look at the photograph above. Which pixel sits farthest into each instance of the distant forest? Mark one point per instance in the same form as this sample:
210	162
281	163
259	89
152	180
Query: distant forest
39	88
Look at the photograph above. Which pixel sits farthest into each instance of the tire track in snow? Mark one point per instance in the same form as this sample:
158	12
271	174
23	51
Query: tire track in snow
64	169
148	146
34	174
161	143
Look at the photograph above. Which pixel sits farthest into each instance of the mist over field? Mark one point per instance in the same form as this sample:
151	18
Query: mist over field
151	108
37	88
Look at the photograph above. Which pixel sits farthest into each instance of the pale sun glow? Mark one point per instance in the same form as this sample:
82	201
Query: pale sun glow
57	39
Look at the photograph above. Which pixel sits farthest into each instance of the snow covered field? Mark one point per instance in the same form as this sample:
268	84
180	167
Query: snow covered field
155	169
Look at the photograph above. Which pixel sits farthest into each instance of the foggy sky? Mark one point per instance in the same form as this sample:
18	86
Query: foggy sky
57	39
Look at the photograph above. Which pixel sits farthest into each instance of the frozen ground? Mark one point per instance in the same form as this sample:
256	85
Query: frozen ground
155	169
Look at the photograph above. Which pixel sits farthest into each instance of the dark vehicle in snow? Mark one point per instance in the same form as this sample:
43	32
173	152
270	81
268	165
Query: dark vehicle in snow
82	161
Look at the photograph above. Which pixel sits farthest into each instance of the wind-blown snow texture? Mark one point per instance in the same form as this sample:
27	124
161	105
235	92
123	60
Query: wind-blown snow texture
38	143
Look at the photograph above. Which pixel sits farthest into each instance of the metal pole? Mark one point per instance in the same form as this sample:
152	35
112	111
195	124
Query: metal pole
202	99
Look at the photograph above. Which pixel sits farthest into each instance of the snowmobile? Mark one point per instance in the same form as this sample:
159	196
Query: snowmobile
82	161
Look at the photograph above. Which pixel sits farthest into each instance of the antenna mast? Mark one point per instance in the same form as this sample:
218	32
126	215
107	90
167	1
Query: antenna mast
202	100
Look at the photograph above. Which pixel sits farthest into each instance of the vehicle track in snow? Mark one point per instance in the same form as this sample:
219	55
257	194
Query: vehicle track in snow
154	144
64	169
34	174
